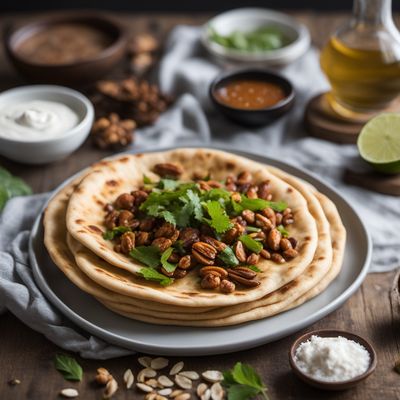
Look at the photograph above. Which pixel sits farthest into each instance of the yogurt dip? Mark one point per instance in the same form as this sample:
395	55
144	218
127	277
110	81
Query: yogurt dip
36	120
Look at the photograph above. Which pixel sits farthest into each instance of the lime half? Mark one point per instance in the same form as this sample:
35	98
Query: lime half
379	142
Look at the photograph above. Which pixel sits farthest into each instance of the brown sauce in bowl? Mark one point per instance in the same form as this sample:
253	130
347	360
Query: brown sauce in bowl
63	44
249	94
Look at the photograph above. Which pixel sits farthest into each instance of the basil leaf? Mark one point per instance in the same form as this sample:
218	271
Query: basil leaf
227	256
246	375
68	367
284	232
251	244
152	274
169	267
148	255
219	221
242	392
114	232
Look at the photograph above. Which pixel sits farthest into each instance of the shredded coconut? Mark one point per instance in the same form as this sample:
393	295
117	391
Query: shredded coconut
332	358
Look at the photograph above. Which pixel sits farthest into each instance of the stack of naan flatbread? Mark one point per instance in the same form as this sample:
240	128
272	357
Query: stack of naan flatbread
74	227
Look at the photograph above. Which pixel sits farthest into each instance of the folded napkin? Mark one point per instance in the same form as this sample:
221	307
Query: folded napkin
186	72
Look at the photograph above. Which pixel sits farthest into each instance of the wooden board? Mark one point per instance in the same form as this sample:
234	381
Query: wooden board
386	184
320	122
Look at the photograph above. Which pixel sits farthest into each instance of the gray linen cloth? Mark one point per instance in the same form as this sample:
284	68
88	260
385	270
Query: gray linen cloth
186	72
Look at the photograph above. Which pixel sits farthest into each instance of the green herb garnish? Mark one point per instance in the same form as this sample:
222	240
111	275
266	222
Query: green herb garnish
251	244
11	186
169	267
152	274
68	367
147	180
219	221
148	255
227	256
114	232
242	383
260	204
168	184
254	268
284	232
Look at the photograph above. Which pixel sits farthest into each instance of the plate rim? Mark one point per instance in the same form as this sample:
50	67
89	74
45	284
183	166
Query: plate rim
208	349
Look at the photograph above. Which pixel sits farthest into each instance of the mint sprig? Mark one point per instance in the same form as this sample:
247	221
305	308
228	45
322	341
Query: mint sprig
69	367
242	383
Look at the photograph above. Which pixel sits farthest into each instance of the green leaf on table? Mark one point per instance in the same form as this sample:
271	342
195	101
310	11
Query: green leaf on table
148	255
242	383
251	244
169	267
152	274
68	367
219	220
114	232
11	186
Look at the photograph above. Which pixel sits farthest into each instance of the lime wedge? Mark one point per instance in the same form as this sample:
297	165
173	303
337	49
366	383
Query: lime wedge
379	142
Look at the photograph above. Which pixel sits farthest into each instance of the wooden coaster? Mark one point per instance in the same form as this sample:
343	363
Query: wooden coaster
323	123
386	184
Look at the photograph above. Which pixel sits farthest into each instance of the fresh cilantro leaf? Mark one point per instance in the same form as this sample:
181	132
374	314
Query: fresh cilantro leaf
219	220
260	204
147	180
168	184
284	232
195	200
217	194
183	214
243	383
148	255
169	267
168	216
254	268
11	186
152	274
68	367
227	256
114	232
251	244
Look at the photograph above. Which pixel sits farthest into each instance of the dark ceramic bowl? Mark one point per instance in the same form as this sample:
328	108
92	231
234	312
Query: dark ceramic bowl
73	73
342	385
254	117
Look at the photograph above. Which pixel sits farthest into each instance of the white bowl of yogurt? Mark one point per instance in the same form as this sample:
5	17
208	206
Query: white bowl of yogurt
40	124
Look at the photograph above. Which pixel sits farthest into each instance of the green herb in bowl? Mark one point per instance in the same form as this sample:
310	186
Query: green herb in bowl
262	39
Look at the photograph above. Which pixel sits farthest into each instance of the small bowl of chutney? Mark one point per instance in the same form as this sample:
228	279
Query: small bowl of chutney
252	97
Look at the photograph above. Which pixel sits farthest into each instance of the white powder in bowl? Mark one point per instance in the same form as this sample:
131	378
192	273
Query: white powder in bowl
332	359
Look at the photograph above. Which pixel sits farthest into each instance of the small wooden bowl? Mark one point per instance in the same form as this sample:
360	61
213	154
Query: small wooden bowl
341	385
80	72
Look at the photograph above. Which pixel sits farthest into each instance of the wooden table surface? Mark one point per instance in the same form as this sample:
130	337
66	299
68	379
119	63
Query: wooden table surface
28	355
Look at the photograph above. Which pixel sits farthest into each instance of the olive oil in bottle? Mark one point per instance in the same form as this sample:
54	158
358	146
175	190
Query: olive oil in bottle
362	61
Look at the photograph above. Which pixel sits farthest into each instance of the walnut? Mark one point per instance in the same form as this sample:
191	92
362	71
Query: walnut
112	132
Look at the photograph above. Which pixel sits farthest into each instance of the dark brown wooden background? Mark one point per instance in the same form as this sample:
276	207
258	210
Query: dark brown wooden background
28	356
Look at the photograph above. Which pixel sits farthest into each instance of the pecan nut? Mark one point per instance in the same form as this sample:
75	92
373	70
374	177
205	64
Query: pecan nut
188	236
111	219
265	254
263	222
201	259
244	177
125	201
210	281
274	239
126	218
211	269
253	259
240	253
147	224
245	272
205	250
252	192
270	214
276	257
263	190
143	238
249	216
162	243
170	170
285	244
218	245
243	281
179	273
227	286
166	230
290	253
185	262
140	197
127	242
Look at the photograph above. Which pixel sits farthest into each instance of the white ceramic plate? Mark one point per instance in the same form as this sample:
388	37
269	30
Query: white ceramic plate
90	315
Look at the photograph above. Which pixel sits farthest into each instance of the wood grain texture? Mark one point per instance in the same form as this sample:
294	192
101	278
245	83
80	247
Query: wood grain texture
28	355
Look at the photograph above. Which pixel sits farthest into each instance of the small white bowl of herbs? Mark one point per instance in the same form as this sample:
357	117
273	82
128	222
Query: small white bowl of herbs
255	36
